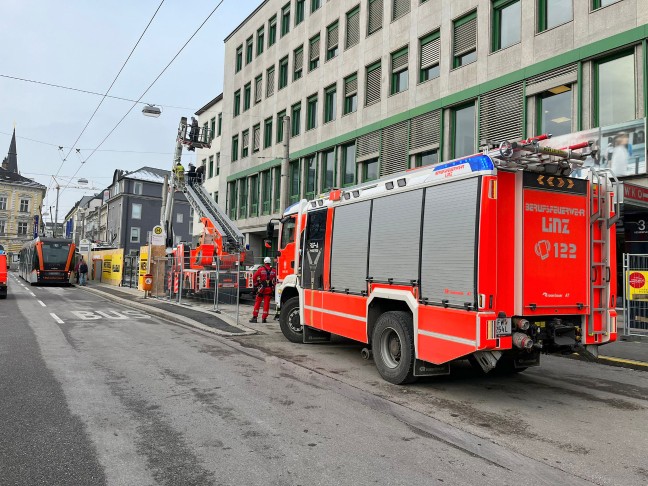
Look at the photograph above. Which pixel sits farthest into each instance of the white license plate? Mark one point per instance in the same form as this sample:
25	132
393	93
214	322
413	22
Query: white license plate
502	327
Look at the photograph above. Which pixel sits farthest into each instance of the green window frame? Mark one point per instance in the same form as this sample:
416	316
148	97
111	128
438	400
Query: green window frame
283	73
352	34
243	198
313	52
266	192
260	40
256	138
332	40
235	148
295	119
429	56
247	96
212	132
280	124
258	89
237	102
328	165
310	176
349	166
372	165
311	112
267	133
272	30
276	183
603	3
220	124
233	199
299	11
499	6
400	71
597	87
373	88
239	58
454	127
351	94
210	171
544	18
330	103
245	143
298	63
249	50
315	5
285	19
294	187
464	52
254	196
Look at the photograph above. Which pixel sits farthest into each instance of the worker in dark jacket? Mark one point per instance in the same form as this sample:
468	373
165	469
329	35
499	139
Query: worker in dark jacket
265	279
191	174
200	174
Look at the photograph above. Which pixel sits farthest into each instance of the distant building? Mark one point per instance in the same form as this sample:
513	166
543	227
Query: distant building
210	116
20	203
75	219
131	207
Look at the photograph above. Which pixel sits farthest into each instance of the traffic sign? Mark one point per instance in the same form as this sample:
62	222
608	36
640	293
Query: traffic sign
157	235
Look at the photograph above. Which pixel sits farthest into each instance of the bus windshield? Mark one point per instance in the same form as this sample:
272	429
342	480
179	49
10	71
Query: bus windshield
55	253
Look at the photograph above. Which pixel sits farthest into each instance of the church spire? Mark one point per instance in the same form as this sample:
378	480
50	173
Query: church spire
10	162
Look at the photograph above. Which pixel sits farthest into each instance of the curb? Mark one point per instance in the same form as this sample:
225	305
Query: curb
179	319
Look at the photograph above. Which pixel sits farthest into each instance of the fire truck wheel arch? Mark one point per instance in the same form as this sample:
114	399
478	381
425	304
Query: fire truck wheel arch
393	347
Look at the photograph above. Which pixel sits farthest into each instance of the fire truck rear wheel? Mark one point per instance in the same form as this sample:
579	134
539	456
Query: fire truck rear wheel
289	321
393	347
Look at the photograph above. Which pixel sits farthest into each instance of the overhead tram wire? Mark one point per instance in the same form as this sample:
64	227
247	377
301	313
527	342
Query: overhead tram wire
95	93
111	85
149	87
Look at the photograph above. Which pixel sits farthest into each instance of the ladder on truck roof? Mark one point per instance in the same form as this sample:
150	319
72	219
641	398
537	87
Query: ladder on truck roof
602	190
206	207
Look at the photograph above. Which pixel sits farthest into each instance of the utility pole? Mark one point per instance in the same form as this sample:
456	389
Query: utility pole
56	215
285	164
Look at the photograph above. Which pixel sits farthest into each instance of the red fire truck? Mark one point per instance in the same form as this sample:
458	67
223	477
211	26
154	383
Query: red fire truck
496	258
4	276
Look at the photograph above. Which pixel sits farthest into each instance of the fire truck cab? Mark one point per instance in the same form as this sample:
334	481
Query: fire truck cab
496	257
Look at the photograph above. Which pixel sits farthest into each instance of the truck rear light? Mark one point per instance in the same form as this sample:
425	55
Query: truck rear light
491	329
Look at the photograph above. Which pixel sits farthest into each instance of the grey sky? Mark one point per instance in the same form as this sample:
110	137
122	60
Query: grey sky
82	44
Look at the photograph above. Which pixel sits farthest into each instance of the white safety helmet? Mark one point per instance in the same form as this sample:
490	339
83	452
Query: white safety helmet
267	260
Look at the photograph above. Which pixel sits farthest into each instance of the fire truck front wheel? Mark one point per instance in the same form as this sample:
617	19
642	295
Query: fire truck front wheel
289	321
393	347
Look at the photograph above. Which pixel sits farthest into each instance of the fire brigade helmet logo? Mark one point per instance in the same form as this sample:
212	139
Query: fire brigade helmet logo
542	248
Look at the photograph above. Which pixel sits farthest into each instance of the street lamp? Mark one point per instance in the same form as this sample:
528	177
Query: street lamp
152	110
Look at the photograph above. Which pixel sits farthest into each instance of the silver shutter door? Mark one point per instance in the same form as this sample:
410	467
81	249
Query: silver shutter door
395	237
349	253
448	249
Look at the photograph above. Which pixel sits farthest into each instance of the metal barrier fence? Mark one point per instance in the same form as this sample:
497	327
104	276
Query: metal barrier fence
635	294
219	287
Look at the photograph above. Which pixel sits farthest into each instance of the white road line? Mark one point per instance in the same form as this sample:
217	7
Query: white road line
57	318
42	303
32	294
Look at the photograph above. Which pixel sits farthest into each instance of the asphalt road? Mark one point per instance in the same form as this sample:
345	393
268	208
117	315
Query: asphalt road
104	394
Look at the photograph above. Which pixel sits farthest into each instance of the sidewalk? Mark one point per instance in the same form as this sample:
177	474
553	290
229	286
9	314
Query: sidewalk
192	313
627	351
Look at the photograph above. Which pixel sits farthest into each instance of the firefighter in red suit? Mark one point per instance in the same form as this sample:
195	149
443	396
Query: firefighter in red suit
265	279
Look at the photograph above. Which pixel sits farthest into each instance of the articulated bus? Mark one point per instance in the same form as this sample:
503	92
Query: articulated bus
47	260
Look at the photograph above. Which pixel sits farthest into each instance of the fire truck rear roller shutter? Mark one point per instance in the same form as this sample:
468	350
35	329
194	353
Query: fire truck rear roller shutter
448	247
395	237
350	246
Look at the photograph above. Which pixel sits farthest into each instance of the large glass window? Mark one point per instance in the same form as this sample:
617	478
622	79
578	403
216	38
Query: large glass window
426	158
328	170
463	125
370	170
276	187
348	164
507	23
552	13
243	198
615	90
311	176
266	192
233	199
295	179
555	111
254	196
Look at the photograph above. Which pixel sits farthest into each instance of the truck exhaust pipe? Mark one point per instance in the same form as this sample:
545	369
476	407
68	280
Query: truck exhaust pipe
522	341
521	323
